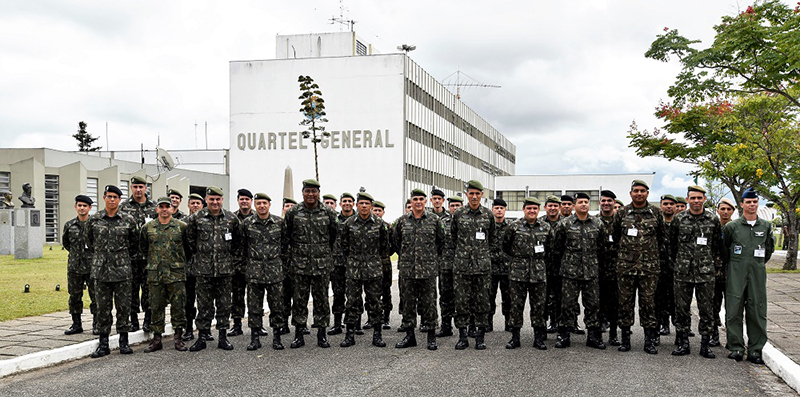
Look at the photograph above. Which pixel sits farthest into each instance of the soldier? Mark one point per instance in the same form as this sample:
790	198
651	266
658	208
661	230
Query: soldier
418	240
552	207
696	249
378	209
407	207
567	204
618	204
680	204
639	238
176	197
143	210
79	265
288	203
474	237
446	297
578	243
164	243
329	200
528	242
338	278
454	203
239	278
437	202
213	235
665	297
264	238
195	204
609	298
312	230
725	210
113	240
499	268
747	246
288	287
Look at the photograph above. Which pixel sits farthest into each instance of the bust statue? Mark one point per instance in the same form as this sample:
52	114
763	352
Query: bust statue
26	198
5	200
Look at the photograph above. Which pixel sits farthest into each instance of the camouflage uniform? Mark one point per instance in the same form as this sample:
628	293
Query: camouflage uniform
165	246
311	233
264	240
338	278
474	237
528	269
239	277
499	278
212	241
364	242
178	214
114	242
665	291
553	282
609	298
143	213
79	265
386	276
419	244
446	297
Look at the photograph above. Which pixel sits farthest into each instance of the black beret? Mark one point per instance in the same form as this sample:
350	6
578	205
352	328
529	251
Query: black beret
244	192
437	192
567	197
113	189
582	195
500	202
607	193
83	199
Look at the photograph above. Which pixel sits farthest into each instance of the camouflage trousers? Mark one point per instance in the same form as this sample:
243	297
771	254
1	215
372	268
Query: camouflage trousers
705	305
536	293
213	301
665	298
172	294
238	291
338	285
553	296
288	294
75	283
609	299
719	295
472	298
419	297
589	291
386	289
446	298
317	286
646	286
499	281
117	294
191	296
138	282
355	304
255	304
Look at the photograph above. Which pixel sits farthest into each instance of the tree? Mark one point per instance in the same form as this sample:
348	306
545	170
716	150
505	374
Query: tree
313	109
85	140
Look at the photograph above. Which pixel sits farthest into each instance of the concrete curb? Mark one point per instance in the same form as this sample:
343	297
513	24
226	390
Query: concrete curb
782	366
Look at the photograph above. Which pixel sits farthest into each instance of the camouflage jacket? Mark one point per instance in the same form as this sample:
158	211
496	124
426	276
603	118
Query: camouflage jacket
387	257
448	250
212	242
311	233
364	243
554	265
666	262
240	251
337	246
264	240
640	240
419	243
75	240
500	258
520	241
114	242
578	245
608	260
178	214
165	247
696	246
474	238
143	213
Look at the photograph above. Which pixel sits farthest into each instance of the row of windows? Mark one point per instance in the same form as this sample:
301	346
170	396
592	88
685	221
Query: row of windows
426	138
430	178
51	208
515	198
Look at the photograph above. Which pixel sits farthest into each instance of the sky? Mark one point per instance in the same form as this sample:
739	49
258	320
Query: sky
573	75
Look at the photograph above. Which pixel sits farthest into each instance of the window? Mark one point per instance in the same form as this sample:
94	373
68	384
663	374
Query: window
5	181
514	199
91	191
361	49
51	208
124	186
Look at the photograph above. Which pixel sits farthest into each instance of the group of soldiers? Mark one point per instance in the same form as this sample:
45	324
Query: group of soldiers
458	256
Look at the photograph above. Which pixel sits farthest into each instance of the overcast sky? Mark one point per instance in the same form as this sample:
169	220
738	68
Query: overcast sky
573	74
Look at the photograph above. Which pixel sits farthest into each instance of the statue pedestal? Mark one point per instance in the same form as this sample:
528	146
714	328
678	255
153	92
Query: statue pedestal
28	236
6	232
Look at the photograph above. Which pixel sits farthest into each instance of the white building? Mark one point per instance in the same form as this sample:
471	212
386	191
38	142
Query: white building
392	127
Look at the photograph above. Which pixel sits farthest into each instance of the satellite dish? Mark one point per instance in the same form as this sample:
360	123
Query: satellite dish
164	159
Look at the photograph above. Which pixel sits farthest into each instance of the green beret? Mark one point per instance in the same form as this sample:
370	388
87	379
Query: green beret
213	191
669	197
289	200
262	196
365	196
346	194
455	199
163	200
473	184
137	180
618	201
310	183
195	196
418	192
639	182
175	192
681	200
379	204
531	201
695	188
552	199
329	197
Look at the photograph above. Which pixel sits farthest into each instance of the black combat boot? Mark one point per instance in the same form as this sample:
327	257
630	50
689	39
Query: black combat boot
472	331
432	340
595	339
551	329
358	329
285	329
337	325
349	336
664	326
463	342
612	335
134	321
514	342
200	343
656	338
206	335
298	341
409	341
401	328
714	342
188	335
255	342
377	338
155	344
563	338
386	324
103	349
705	351
223	342
306	331
577	330
367	324
76	327
625	345
124	347
148	316
682	348
736	355
447	328
322	340
539	335
178	339
276	339
649	339
237	328
479	343
262	332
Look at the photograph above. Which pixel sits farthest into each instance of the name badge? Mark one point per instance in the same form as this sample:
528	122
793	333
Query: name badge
633	232
480	236
702	241
760	253
228	236
737	249
610	239
538	249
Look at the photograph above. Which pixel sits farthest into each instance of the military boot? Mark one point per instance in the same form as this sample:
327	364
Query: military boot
479	343
612	335
322	341
386	324
276	339
409	341
337	325
307	331
285	329
262	332
377	338
298	341
563	338
539	335
625	345
447	328
155	344
656	338
349	336
358	329
714	342
432	340
682	348
401	329
551	329
577	330
237	328
223	342
705	351
649	339
148	316
595	339
472	331
255	342
736	355
367	324
188	335
102	349
200	343
514	342
178	338
463	342
124	347
664	326
134	321
76	327
206	336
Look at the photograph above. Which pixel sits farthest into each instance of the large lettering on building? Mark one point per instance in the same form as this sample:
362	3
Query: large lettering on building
345	139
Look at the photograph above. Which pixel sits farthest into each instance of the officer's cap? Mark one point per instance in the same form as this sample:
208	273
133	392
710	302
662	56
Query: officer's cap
329	197
195	196
456	199
695	188
164	200
681	200
83	199
310	183
531	201
474	184
750	193
137	180
418	192
175	192
607	193
581	195
112	189
552	199
346	194
213	191
567	198
379	204
437	192
244	192
669	197
500	202
365	196
262	196
639	182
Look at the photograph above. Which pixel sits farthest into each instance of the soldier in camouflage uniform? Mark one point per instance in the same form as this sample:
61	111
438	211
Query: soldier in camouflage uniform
143	210
618	204
474	236
680	204
725	210
239	278
696	249
176	197
288	286
330	201
665	297
213	235
386	268
528	241
113	237
446	298
639	238
264	238
552	206
195	204
418	240
311	228
79	265
164	242
338	279
578	244
609	298
499	269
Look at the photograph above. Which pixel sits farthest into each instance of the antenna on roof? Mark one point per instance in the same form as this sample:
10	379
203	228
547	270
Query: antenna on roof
341	19
460	79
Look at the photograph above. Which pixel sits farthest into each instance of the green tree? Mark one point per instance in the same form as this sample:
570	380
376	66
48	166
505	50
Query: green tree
313	110
85	140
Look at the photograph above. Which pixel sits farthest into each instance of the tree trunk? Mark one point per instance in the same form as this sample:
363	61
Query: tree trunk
316	164
791	240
